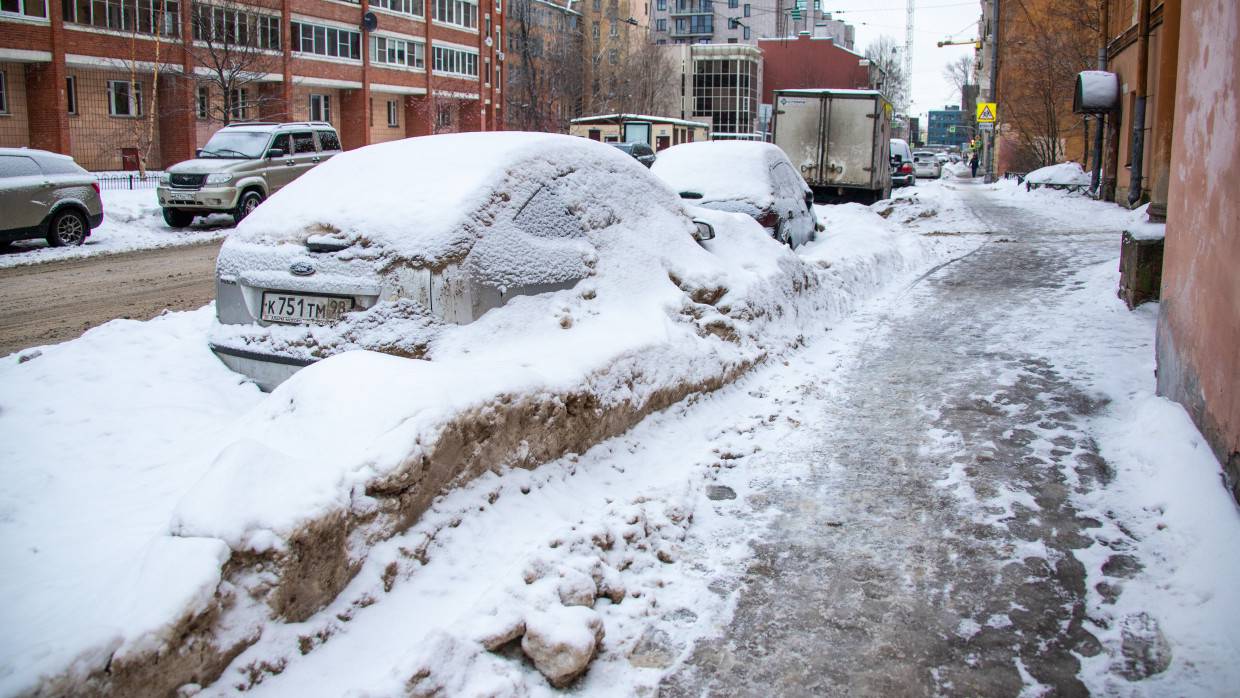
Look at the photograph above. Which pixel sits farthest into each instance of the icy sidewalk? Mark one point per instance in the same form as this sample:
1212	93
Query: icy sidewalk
992	503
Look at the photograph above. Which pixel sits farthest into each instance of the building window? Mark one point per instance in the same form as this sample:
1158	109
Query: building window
25	8
746	9
733	4
393	107
404	7
124	98
136	16
594	30
240	104
326	41
498	74
660	25
320	107
455	61
613	29
598	5
397	52
203	106
4	94
613	56
661	4
499	7
746	33
226	27
71	93
462	13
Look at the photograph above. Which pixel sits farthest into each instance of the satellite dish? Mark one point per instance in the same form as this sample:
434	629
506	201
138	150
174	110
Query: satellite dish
369	22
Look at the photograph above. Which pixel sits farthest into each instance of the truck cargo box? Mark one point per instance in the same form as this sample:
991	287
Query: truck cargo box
838	139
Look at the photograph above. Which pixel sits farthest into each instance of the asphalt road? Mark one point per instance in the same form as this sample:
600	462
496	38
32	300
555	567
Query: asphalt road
58	301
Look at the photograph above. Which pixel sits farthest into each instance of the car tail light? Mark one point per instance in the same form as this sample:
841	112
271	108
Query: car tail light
768	219
906	169
95	184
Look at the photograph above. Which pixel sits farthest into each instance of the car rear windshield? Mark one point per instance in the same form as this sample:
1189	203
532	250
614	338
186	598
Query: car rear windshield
236	144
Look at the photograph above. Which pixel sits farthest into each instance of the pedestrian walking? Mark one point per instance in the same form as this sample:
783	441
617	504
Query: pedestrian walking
973	163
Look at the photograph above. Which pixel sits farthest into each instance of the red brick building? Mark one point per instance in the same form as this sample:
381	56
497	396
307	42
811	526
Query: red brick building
810	62
103	80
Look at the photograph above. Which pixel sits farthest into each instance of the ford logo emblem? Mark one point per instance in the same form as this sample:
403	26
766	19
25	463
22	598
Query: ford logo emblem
301	269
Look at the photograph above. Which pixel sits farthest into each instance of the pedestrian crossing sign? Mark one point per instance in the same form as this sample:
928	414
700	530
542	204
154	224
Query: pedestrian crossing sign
987	112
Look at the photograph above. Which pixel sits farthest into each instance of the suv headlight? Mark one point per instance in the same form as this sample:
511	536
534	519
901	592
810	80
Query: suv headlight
219	178
165	179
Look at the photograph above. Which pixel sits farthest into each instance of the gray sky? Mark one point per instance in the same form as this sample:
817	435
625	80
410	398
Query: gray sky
934	21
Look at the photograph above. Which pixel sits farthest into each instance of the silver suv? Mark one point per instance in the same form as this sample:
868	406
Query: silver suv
46	195
240	166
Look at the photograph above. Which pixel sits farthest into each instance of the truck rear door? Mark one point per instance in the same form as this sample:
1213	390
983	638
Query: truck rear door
798	132
850	143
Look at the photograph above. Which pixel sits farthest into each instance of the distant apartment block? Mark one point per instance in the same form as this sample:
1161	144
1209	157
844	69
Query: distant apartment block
740	22
108	81
948	126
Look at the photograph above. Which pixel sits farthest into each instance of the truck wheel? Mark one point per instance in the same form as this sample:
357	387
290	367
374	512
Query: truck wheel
67	228
176	218
249	201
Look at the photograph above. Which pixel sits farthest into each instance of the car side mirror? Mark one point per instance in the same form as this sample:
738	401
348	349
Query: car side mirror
703	231
198	153
275	153
690	195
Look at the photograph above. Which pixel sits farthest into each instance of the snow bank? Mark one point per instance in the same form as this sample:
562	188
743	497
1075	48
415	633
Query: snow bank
1068	173
300	485
132	221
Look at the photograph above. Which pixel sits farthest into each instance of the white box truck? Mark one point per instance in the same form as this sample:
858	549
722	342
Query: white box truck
839	139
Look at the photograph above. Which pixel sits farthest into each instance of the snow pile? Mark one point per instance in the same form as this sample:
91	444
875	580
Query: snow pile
132	221
1065	173
736	173
301	485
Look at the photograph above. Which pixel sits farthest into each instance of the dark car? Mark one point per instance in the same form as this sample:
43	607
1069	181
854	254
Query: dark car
640	151
902	174
46	195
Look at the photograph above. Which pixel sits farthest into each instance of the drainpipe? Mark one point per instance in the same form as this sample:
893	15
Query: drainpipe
1138	114
1095	183
1164	110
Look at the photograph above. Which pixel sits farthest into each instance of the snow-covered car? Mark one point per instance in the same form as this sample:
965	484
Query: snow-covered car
902	164
369	252
755	179
926	164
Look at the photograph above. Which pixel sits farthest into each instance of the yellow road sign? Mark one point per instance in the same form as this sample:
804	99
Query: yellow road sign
987	112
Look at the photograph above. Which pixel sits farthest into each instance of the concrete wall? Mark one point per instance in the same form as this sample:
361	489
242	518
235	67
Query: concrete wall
1199	320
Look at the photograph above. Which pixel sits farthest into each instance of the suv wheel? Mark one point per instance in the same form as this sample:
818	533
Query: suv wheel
176	218
67	228
249	201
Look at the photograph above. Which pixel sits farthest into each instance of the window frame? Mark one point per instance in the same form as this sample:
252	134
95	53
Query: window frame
4	93
133	99
71	101
393	113
324	108
21	11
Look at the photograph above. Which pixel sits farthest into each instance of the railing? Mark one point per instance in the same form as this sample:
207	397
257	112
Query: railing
134	181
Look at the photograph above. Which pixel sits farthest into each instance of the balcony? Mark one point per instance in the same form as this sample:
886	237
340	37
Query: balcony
692	7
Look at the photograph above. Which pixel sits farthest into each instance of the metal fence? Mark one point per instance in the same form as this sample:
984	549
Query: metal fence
131	181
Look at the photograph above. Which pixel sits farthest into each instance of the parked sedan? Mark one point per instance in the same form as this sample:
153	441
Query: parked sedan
364	252
743	177
46	195
926	164
641	152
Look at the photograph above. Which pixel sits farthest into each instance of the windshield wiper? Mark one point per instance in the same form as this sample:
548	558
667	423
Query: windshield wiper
221	151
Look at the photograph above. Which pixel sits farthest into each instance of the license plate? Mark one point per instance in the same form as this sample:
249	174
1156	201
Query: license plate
295	308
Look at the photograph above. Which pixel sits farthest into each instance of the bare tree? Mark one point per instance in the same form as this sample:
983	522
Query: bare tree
959	73
647	74
887	68
151	29
234	49
544	86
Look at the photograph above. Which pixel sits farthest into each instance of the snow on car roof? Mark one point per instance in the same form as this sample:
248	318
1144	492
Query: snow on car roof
427	200
720	170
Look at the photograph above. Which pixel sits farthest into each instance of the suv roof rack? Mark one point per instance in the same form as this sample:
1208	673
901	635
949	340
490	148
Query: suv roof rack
317	124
